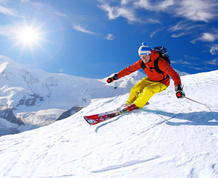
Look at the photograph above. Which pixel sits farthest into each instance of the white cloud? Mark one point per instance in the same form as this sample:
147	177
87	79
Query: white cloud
156	31
153	21
79	28
82	29
183	25
23	1
197	10
209	37
214	49
126	9
119	11
180	62
154	6
60	14
110	37
213	62
6	11
178	34
152	34
125	2
184	28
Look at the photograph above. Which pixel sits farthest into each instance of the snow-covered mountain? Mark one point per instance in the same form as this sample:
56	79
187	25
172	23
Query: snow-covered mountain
30	98
169	138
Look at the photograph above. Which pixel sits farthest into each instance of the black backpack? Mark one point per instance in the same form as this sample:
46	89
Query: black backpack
163	54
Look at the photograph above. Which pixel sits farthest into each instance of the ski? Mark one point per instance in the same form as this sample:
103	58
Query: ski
97	118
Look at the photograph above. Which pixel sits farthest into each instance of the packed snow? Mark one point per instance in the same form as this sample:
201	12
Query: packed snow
169	138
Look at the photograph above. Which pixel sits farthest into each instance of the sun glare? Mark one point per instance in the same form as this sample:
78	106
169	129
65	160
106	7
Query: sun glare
28	35
36	39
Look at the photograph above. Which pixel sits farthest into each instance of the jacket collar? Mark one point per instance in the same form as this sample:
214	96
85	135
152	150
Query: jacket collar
154	55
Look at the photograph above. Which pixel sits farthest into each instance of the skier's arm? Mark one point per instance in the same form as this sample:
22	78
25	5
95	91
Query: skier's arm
134	67
165	67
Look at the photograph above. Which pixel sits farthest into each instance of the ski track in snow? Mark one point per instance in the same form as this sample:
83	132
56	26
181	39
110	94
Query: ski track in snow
169	138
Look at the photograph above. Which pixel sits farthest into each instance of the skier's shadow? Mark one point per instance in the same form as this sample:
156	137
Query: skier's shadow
193	118
102	125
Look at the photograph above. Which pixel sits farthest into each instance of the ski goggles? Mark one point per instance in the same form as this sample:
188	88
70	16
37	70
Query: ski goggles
147	54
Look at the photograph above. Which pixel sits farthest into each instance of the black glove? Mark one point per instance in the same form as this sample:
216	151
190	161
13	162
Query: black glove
109	80
179	91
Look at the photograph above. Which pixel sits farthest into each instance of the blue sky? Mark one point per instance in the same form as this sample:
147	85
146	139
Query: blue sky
95	38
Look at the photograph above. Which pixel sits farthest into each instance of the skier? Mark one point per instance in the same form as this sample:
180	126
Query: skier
155	82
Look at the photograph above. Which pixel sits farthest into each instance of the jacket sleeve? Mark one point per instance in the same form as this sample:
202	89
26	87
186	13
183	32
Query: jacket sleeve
134	67
166	68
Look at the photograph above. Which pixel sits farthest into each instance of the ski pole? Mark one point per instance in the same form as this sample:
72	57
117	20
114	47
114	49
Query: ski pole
198	103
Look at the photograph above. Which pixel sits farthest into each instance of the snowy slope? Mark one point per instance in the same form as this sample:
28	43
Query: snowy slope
169	138
30	98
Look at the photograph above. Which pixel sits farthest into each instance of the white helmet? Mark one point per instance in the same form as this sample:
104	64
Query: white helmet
144	49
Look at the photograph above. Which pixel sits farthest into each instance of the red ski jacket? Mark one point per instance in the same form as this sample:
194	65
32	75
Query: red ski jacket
151	72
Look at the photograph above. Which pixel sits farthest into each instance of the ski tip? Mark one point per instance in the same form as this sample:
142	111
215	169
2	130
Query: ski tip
90	121
86	120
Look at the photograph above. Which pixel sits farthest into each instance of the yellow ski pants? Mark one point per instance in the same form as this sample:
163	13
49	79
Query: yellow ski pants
143	91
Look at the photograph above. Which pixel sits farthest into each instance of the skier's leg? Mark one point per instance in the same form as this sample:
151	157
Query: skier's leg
137	89
148	92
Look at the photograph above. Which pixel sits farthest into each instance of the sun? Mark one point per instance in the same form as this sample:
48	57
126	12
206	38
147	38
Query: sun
36	39
28	35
